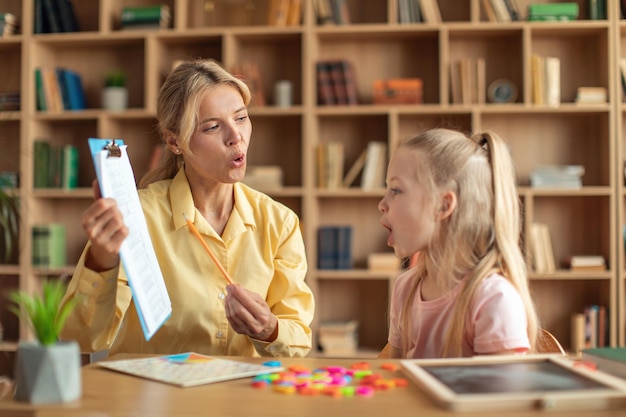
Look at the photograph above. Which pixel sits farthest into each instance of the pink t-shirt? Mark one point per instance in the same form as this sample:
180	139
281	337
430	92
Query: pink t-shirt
496	319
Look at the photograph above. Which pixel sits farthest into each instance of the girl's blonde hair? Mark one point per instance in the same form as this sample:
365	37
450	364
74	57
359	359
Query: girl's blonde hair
178	104
482	235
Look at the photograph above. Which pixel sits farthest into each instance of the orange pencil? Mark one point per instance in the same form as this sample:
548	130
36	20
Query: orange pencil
209	251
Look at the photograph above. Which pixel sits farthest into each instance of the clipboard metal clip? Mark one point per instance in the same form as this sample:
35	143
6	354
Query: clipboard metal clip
114	149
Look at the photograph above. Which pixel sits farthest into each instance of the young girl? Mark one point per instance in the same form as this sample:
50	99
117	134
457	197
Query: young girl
454	200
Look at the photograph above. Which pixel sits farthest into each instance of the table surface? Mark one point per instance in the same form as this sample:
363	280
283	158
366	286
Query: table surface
108	393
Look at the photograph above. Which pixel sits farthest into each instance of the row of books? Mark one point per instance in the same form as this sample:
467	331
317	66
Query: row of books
55	166
501	10
467	81
10	100
334	247
332	12
285	13
9	24
590	328
59	89
49	245
336	83
146	17
371	164
546	80
54	16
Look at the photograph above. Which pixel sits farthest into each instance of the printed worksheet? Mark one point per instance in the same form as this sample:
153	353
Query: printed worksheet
117	181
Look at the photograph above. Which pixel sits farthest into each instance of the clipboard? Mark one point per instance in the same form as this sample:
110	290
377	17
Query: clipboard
117	181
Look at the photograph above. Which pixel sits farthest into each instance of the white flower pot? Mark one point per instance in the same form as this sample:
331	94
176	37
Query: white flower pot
48	374
115	98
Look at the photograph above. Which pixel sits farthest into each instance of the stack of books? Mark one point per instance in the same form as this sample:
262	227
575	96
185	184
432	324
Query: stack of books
146	17
9	100
339	338
334	247
591	95
557	176
264	177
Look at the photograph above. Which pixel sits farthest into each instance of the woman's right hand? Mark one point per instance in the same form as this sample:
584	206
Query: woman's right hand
104	224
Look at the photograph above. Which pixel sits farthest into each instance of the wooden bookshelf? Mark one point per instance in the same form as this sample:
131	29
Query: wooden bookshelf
586	221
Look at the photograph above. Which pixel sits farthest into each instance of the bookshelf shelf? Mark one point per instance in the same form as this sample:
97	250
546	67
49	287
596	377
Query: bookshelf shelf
588	220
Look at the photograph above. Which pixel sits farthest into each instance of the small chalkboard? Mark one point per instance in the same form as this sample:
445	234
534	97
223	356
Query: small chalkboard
518	382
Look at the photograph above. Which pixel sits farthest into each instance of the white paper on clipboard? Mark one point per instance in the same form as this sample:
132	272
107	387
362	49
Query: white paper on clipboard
117	181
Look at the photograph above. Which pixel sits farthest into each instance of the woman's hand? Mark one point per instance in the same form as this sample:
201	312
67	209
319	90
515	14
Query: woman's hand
104	224
249	314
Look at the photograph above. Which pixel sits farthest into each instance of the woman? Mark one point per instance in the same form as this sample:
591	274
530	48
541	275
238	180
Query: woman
203	119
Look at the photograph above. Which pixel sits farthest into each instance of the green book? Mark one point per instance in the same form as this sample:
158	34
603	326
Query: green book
49	245
39	91
41	156
145	14
611	360
552	11
70	167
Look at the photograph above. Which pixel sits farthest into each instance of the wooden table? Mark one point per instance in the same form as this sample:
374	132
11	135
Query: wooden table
111	394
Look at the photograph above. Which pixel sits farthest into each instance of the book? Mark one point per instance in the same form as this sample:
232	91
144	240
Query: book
501	11
344	247
334	249
75	93
489	11
355	169
537	78
330	165
277	12
48	245
611	360
553	11
41	155
323	12
590	95
325	89
188	369
375	167
339	338
552	79
67	17
51	14
294	13
340	12
541	248
398	91
587	263
69	177
39	91
327	247
157	16
430	11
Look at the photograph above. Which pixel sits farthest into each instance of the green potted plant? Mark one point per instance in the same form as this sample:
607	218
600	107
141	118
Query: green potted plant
48	369
115	94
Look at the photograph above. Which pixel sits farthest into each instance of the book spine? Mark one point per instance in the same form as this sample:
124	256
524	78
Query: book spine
41	238
327	247
63	87
52	16
39	91
56	245
344	247
142	14
67	17
41	151
325	92
76	94
70	167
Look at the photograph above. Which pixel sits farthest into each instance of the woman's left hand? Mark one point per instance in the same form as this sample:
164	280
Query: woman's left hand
249	314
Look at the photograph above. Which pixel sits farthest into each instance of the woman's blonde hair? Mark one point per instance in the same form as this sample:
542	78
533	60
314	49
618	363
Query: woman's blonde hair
482	235
178	104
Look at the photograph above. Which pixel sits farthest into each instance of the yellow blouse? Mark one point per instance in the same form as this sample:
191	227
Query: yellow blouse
261	248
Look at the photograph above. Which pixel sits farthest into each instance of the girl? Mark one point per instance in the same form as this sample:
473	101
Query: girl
454	200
